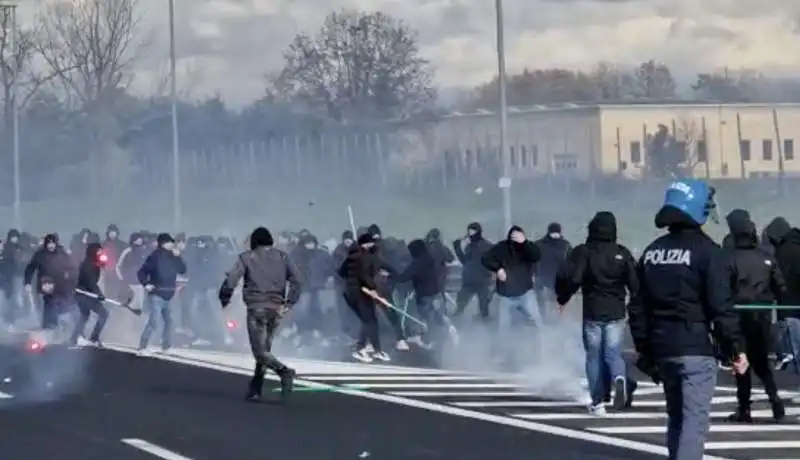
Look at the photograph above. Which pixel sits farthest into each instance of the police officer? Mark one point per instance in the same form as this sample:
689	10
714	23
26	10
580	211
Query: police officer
757	281
684	297
271	287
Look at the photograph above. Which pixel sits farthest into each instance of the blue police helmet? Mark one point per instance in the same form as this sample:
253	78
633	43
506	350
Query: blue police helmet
693	197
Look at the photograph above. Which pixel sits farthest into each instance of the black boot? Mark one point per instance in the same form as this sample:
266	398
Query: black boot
741	416
631	385
287	376
254	390
778	409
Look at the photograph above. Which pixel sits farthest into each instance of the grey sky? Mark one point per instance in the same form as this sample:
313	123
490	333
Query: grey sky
227	46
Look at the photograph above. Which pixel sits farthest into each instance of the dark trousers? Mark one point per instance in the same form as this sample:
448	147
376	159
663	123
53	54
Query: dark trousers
86	308
364	308
262	322
757	335
466	294
52	309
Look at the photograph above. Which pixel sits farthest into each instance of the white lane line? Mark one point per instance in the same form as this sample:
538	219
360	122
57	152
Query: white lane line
727	428
460	394
5	395
153	449
760	414
433	386
734	445
395	378
539	404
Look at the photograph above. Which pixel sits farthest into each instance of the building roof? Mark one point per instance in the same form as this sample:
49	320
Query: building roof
614	105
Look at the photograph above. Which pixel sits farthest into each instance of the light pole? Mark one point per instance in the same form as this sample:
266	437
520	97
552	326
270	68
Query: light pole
505	181
9	12
176	159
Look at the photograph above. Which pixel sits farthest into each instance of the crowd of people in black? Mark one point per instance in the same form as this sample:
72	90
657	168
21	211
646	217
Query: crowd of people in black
679	300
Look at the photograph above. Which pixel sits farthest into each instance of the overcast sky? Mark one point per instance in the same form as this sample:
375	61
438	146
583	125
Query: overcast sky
230	45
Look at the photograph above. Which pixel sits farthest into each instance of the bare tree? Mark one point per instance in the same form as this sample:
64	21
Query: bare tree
91	46
614	83
359	66
655	81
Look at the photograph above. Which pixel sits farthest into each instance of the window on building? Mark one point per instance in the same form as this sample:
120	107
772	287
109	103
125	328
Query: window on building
513	156
788	149
535	155
744	149
702	151
636	152
523	156
766	149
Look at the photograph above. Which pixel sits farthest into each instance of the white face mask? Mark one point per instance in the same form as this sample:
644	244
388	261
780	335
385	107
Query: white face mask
309	246
555	236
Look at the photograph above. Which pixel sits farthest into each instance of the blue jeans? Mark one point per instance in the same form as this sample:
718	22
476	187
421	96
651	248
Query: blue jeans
603	342
791	339
513	311
157	306
689	384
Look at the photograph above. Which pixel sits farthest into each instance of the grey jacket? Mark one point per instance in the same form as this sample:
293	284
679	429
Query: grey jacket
271	279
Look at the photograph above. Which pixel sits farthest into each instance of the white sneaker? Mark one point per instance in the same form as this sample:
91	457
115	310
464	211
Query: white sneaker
417	340
82	342
598	410
144	352
381	356
784	362
363	355
369	348
401	345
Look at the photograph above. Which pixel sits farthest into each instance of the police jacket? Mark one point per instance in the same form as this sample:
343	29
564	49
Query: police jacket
685	294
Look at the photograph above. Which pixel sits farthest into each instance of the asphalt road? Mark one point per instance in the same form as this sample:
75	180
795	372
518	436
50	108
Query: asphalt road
91	404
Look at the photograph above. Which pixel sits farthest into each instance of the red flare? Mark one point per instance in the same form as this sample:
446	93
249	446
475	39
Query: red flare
230	324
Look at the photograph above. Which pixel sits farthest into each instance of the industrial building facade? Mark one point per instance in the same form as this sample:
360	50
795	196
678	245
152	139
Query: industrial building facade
719	140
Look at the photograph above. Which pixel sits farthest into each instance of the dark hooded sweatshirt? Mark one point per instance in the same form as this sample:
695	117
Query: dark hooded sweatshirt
755	276
89	272
56	265
422	272
733	218
554	252
602	269
786	241
518	260
473	273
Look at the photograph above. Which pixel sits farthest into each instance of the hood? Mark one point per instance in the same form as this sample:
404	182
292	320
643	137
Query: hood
418	249
309	238
92	249
514	228
375	230
476	227
112	228
743	232
603	227
434	235
736	215
348	235
777	230
261	237
13	233
50	238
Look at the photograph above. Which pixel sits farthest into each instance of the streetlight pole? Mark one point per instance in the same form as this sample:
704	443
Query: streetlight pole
505	182
9	12
176	160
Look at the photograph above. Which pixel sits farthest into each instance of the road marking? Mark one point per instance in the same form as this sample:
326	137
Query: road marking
541	404
153	449
5	395
396	378
454	386
462	394
627	415
735	445
728	428
581	435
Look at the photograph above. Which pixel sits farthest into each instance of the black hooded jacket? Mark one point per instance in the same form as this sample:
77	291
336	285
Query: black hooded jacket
755	276
602	269
422	272
360	268
442	255
554	252
473	273
732	219
89	272
786	241
11	258
518	260
56	265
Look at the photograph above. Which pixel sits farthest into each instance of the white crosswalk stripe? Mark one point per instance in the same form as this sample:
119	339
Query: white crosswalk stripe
644	422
